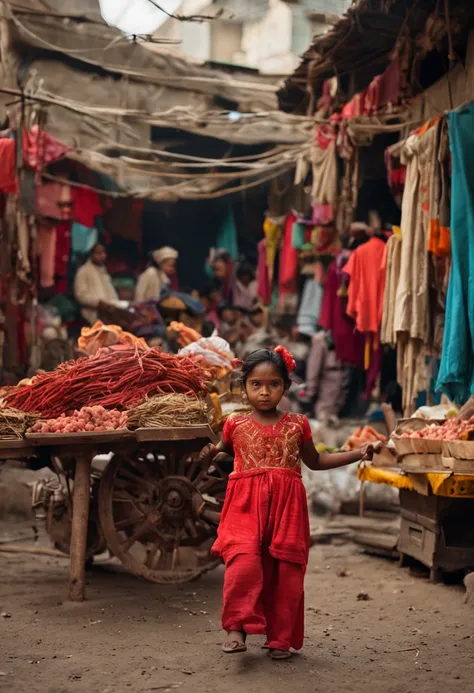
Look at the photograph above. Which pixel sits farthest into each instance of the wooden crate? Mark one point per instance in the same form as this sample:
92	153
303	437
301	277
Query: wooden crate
437	531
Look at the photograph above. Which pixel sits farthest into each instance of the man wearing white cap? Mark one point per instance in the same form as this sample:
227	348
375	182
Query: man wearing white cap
158	275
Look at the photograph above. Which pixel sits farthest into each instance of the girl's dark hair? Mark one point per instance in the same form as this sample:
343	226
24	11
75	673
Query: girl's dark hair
263	356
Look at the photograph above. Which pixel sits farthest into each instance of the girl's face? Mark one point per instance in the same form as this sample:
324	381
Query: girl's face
265	387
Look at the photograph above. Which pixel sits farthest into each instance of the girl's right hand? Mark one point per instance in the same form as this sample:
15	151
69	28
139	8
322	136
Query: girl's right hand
208	453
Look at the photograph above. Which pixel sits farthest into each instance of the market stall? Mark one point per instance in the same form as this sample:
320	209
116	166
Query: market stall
432	463
152	504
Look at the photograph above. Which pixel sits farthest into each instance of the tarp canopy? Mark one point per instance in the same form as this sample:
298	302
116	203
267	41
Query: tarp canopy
359	45
103	93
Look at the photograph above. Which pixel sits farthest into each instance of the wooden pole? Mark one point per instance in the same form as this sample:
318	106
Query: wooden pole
80	518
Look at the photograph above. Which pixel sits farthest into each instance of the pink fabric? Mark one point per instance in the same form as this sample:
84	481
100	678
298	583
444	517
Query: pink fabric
355	107
322	214
47	197
372	97
325	134
47	253
288	260
41	148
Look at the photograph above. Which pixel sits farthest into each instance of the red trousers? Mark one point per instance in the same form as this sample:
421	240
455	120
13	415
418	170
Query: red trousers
263	595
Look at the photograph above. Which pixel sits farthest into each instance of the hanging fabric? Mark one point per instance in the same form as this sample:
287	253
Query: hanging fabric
413	320
348	343
227	235
456	374
288	260
366	286
310	307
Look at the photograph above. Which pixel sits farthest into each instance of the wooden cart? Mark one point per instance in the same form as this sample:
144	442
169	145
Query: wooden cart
153	506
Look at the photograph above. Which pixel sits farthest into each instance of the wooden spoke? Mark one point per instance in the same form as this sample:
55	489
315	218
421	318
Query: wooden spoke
127	522
154	517
151	553
145	527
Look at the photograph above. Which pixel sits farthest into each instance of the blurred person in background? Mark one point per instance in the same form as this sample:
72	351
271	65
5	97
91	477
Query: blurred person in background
93	284
160	274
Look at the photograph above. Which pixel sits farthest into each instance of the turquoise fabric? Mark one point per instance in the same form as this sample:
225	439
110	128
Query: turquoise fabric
226	239
298	235
456	371
227	236
82	238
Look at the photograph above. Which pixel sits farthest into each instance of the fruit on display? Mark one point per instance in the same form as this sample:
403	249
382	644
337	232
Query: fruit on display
84	420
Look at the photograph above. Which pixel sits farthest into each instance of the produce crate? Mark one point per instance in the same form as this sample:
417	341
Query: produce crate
437	531
410	446
428	462
459	449
452	464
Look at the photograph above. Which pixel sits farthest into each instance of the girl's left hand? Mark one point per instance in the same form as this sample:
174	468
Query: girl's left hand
368	451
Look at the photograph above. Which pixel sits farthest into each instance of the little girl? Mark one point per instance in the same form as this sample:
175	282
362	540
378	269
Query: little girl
263	534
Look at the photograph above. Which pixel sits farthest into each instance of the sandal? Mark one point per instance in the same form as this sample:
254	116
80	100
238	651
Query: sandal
280	654
235	646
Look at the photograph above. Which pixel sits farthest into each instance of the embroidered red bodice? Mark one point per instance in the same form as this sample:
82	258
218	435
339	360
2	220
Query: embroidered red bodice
257	446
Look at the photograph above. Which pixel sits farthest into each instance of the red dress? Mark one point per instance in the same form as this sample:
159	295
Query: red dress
263	535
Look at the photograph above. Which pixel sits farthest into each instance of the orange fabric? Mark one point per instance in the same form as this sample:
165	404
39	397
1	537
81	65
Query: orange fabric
366	269
426	126
439	239
263	596
99	335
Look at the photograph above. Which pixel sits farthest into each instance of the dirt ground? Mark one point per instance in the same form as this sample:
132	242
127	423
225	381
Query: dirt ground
409	635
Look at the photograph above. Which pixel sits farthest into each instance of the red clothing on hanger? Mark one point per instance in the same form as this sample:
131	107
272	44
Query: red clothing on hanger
8	182
348	342
288	260
86	206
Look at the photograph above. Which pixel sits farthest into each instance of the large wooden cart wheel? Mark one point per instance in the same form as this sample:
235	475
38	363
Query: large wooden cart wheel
159	514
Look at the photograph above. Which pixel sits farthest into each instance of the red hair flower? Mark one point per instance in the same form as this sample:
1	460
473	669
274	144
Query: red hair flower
236	363
290	362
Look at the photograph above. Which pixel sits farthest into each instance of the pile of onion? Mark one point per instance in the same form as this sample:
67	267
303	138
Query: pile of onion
87	419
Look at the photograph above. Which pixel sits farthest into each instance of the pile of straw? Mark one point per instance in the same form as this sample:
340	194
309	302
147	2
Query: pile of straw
169	411
15	423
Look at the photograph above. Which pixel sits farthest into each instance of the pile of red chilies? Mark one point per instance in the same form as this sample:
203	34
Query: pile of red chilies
115	377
